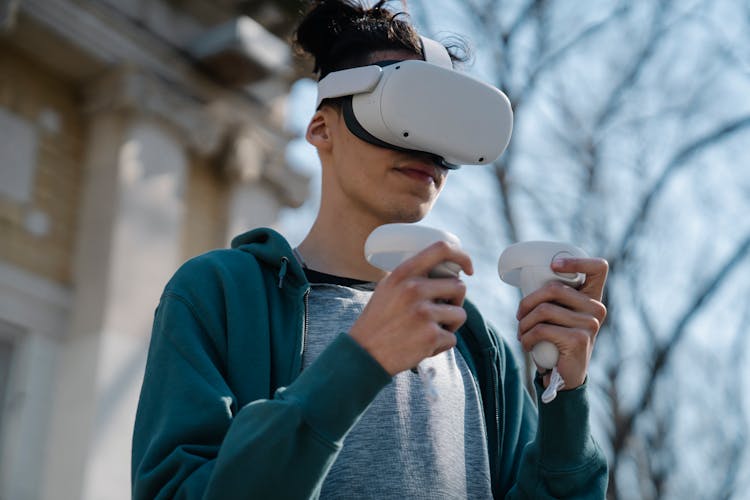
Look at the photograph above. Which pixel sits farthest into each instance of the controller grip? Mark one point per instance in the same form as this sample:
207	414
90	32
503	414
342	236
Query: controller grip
545	355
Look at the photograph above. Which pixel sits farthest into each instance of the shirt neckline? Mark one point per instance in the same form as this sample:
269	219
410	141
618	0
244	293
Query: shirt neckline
317	277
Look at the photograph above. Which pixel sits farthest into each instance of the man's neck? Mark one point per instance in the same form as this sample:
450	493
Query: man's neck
335	245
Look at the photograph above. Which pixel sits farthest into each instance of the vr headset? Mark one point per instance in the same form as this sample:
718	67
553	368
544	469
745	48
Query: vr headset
423	107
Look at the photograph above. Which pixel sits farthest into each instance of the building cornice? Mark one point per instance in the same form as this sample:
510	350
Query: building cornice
109	40
155	77
200	125
250	149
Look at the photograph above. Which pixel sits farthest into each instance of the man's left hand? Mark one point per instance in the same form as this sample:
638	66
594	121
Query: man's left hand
569	318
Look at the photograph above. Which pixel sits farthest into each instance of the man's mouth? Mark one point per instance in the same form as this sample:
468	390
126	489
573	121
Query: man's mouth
420	169
418	174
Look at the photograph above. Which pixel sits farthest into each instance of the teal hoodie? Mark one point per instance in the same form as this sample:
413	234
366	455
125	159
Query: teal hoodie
225	411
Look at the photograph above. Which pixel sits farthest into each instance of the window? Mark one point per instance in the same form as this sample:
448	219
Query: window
18	152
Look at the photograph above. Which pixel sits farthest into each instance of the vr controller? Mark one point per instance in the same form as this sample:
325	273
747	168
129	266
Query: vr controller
391	244
527	265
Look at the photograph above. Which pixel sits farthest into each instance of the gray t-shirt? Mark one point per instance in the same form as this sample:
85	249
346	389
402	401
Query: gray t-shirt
404	446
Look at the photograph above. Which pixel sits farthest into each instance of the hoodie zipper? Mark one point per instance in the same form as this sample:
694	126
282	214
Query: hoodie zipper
304	325
486	366
493	431
499	423
303	340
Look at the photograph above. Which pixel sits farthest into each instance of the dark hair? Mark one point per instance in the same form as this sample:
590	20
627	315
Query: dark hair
341	34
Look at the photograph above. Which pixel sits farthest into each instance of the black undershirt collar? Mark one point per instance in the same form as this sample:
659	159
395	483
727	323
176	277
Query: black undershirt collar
317	278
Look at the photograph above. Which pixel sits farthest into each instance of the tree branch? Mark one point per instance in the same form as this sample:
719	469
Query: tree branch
551	59
736	402
629	77
661	357
679	161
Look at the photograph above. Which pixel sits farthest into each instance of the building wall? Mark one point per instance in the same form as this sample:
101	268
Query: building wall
41	170
39	226
119	160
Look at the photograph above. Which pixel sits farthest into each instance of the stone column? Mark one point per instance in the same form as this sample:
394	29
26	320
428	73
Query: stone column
146	237
263	183
128	247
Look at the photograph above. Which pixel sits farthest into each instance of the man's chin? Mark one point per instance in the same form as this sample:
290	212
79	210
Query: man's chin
410	216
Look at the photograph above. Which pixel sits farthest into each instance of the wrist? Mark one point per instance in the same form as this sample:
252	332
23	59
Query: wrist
572	382
365	343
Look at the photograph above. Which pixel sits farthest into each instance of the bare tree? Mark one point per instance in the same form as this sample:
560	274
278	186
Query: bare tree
631	120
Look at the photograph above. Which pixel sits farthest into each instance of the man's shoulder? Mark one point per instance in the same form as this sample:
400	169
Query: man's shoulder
248	253
213	265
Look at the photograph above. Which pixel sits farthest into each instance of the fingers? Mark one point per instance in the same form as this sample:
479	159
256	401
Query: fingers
562	307
448	290
444	319
423	262
437	324
571	342
565	296
554	314
447	317
406	334
595	270
575	346
447	341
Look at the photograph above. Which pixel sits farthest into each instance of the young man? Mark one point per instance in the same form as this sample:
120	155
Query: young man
281	373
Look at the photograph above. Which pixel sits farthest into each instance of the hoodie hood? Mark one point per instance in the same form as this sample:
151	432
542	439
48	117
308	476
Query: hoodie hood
273	251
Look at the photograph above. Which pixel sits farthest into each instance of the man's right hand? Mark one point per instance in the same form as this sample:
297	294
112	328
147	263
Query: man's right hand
411	317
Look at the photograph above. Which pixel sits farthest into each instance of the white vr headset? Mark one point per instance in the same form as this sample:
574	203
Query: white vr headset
423	107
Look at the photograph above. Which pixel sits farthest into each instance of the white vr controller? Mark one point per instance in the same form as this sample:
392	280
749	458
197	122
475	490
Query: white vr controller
527	265
391	244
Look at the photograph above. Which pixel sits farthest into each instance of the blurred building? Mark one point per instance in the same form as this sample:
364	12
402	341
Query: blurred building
133	135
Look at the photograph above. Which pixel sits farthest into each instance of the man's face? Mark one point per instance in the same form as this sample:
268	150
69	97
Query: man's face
384	184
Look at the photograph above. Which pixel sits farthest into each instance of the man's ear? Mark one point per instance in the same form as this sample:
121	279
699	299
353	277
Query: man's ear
318	133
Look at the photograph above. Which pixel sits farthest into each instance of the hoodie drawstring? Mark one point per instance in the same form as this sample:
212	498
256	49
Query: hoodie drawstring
282	271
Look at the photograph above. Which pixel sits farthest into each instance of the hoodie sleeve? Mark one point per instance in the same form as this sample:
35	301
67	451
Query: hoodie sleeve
562	460
191	441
